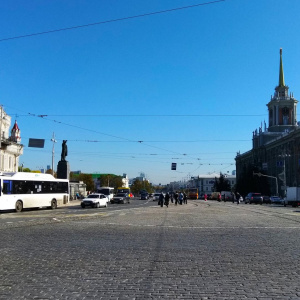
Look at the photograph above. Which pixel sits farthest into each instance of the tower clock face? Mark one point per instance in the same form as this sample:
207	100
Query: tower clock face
285	111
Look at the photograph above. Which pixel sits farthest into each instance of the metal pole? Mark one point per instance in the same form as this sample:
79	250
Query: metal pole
259	174
54	141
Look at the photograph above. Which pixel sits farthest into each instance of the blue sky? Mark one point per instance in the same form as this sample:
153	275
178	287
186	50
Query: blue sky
191	85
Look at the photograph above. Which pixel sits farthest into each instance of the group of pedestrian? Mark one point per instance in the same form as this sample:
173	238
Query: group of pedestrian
176	198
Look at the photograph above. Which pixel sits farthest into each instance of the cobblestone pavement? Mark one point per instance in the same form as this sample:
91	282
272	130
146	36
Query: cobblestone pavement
202	250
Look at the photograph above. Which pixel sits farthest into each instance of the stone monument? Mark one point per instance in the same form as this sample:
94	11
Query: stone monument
63	167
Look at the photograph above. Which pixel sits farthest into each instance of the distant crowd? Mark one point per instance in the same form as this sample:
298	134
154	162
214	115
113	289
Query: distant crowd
178	198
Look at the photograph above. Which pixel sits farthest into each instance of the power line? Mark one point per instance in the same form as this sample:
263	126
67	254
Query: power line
110	21
148	115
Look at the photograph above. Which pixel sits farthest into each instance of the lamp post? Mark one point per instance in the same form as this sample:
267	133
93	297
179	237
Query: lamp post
259	174
54	141
284	171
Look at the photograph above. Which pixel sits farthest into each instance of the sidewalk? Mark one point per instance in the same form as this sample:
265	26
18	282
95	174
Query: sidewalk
72	203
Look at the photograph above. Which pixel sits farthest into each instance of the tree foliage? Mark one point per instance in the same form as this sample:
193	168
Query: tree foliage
139	186
222	184
88	180
111	180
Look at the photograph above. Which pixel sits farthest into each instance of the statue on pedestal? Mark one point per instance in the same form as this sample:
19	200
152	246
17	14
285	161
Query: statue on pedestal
64	150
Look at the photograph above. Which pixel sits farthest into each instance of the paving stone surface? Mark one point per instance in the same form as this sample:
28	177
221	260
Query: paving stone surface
202	250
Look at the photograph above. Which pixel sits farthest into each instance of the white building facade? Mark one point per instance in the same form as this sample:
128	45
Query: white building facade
10	144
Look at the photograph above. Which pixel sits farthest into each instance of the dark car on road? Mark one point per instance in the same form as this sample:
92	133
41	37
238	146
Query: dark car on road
144	196
254	198
120	198
276	200
266	199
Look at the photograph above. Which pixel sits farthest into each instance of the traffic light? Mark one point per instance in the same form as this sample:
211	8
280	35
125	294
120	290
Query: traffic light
173	166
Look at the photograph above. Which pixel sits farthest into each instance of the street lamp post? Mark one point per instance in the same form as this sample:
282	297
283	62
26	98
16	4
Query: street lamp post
259	174
284	172
54	141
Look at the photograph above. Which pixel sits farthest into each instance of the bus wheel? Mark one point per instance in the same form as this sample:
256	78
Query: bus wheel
19	206
53	204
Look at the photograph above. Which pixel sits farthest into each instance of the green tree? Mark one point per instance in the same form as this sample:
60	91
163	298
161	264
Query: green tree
139	186
88	180
222	184
111	180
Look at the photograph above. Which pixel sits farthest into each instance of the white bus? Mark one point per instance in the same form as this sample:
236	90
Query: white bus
107	191
31	190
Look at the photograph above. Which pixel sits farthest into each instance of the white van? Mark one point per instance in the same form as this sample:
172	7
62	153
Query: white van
226	196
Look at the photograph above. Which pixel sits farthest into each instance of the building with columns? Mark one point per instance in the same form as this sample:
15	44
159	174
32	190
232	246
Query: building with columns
10	145
275	153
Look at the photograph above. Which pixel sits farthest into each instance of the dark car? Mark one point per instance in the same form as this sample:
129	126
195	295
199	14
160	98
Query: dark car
266	199
276	200
254	198
120	198
144	196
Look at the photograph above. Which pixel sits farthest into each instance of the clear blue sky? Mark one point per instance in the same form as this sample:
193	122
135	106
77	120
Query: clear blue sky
191	84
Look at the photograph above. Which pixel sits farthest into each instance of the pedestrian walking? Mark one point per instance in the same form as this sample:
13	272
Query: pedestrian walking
219	197
176	198
167	200
233	197
161	199
172	197
205	197
238	198
184	198
180	197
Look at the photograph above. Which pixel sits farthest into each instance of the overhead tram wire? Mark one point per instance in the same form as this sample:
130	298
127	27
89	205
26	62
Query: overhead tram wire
110	135
111	21
44	117
149	115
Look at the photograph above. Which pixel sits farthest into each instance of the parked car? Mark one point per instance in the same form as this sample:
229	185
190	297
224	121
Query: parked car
94	201
144	196
266	199
276	200
120	198
254	198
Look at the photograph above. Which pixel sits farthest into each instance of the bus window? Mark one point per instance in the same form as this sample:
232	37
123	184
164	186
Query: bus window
7	187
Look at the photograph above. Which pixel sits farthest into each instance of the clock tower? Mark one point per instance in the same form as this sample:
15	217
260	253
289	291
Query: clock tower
282	106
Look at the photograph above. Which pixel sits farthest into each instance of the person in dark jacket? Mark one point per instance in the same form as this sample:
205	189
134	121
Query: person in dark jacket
184	198
176	198
161	199
167	200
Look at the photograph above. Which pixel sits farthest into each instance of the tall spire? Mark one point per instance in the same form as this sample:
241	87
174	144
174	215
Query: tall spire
281	75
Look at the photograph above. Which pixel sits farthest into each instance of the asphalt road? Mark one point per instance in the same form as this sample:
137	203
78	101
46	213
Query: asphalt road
202	250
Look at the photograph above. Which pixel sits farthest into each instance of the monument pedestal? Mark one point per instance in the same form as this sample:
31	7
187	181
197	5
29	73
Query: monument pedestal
63	170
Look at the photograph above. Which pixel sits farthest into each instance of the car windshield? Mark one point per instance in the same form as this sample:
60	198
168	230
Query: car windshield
121	195
93	196
256	194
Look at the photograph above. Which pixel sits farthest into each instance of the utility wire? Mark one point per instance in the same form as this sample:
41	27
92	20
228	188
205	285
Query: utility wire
110	21
149	115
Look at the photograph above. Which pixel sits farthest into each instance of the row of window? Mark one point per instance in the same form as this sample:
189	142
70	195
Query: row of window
34	187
